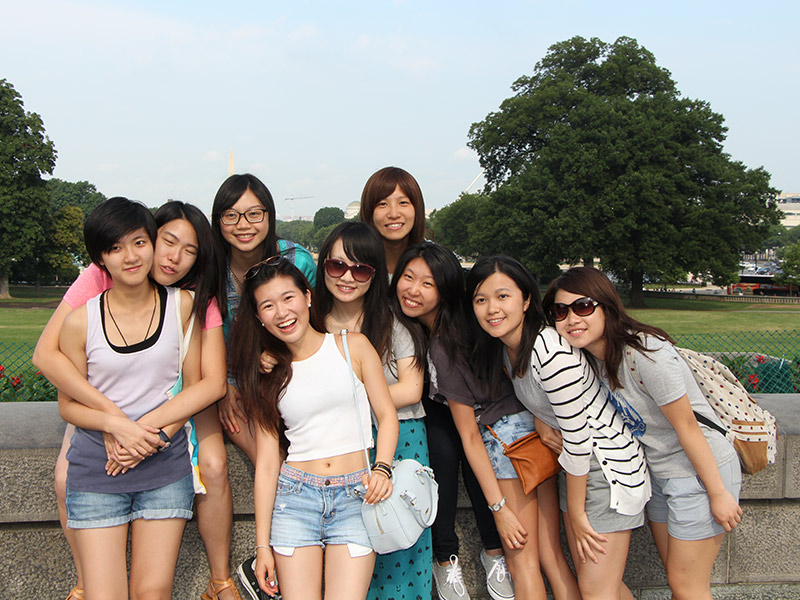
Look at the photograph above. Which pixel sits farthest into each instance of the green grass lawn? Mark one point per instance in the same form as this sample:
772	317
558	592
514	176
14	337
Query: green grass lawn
22	325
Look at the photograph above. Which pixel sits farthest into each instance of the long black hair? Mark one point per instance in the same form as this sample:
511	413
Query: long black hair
451	325
487	353
227	195
361	244
261	392
203	277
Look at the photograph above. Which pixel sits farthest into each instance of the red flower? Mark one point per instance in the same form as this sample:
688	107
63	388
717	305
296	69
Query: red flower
15	381
761	358
38	373
752	380
2	368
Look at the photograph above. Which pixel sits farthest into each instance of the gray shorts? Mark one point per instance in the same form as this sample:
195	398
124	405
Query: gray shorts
602	517
682	503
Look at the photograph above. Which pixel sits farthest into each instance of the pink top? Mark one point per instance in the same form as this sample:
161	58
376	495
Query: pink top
94	281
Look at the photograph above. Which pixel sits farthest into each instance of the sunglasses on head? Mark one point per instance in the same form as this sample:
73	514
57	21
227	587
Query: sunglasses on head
582	307
337	268
272	261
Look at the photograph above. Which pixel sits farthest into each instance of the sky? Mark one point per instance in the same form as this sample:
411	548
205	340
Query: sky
146	99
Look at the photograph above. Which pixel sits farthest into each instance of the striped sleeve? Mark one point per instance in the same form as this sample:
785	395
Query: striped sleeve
566	377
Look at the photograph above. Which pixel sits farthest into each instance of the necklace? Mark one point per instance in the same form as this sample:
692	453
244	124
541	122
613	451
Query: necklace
238	282
149	325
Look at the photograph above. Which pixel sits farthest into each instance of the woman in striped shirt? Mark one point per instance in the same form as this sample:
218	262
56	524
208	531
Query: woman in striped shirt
607	484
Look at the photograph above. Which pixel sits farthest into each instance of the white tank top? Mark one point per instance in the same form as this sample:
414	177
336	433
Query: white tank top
318	410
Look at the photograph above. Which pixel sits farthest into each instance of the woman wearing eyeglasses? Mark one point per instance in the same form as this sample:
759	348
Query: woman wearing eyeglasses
353	297
605	485
243	223
694	470
307	508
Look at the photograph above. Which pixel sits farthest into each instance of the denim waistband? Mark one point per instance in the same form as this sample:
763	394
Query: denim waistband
322	480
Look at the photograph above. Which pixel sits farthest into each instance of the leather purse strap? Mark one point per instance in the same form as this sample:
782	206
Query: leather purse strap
505	446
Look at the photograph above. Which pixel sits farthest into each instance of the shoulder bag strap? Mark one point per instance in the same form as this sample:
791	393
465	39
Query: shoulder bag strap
355	396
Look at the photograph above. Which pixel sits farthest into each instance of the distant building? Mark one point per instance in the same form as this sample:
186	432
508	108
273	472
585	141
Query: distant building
789	203
352	209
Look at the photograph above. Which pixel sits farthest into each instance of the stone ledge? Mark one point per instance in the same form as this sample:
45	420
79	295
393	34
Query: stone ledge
758	560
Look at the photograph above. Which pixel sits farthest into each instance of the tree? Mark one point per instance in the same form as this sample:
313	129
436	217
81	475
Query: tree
25	153
328	215
298	231
790	266
599	156
457	225
81	194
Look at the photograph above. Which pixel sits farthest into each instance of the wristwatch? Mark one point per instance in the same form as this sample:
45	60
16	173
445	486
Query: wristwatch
498	505
167	443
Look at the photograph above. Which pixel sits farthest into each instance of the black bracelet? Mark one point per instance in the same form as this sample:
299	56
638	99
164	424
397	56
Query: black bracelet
383	468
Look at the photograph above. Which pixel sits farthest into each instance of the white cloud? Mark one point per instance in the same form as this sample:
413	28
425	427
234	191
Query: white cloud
465	154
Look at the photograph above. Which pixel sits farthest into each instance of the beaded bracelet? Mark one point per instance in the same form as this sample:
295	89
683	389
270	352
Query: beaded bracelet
261	546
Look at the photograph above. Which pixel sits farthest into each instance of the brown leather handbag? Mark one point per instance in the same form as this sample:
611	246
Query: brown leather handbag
532	460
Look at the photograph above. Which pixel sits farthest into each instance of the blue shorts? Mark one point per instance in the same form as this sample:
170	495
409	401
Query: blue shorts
682	503
93	510
314	510
509	429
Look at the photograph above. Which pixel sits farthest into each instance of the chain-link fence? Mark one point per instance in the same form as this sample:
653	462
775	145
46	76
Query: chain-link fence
20	381
766	362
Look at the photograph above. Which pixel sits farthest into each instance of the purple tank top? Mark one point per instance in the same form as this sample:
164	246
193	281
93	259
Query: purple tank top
136	378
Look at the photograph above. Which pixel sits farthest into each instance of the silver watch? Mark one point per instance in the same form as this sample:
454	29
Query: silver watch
498	505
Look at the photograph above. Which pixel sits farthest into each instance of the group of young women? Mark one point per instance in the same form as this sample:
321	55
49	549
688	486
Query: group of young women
446	370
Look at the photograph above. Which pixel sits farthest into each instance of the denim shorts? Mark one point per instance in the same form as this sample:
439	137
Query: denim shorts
509	429
93	510
602	517
315	510
682	503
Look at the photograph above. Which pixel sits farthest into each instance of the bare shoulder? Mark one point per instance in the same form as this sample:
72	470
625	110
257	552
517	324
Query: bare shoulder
75	322
187	303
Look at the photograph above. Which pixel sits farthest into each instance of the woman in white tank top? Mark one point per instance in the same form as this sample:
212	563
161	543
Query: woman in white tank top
307	512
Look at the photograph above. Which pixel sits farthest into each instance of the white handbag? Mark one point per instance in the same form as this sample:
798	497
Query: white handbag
397	522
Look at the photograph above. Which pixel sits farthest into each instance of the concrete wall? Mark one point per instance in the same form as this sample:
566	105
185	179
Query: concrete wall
758	560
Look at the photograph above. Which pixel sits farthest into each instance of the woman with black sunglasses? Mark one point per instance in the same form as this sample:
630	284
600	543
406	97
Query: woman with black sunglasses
307	499
605	484
352	295
695	472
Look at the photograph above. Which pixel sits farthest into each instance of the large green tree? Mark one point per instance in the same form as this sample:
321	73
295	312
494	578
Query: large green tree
597	155
25	153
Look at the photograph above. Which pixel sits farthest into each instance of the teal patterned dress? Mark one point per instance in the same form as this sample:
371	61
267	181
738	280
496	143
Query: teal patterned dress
406	574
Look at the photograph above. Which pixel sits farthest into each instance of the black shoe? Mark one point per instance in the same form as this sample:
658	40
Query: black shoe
247	576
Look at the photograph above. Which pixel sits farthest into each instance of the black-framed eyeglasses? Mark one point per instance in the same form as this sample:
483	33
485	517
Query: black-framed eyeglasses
272	261
582	307
337	268
232	216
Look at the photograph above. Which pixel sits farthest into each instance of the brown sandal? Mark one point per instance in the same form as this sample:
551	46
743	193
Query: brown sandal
75	594
217	585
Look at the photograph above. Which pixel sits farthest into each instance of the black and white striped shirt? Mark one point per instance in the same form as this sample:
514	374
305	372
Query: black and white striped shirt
562	384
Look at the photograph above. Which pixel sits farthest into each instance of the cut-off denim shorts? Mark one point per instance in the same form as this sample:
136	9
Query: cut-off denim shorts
316	510
93	510
682	503
509	429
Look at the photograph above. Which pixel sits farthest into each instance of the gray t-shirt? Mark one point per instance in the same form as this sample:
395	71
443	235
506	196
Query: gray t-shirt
402	347
454	380
663	377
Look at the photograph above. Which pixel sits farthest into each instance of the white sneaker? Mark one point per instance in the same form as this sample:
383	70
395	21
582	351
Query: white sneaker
498	579
449	581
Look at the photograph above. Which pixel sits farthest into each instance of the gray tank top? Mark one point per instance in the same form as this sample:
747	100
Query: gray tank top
136	378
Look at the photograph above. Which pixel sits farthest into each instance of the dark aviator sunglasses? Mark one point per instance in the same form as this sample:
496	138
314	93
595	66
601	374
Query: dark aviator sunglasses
582	307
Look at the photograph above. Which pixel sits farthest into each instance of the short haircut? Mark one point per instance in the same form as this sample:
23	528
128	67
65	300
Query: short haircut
382	184
111	221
